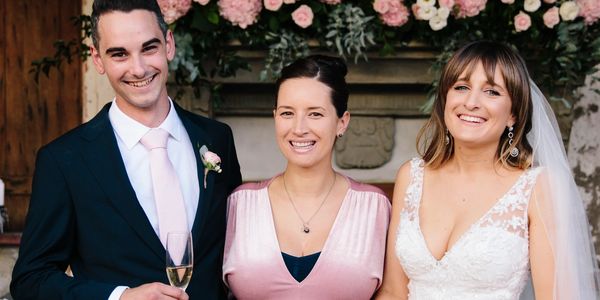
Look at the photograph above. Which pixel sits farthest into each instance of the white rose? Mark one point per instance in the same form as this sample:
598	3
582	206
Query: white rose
437	23
443	12
425	3
426	13
569	11
532	5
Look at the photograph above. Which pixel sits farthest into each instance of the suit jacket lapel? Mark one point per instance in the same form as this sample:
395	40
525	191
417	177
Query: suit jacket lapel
198	137
102	154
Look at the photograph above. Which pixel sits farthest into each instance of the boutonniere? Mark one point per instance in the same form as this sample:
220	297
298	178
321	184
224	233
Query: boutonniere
210	160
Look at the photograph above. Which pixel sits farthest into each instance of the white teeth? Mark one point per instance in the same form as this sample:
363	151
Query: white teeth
302	144
471	119
140	83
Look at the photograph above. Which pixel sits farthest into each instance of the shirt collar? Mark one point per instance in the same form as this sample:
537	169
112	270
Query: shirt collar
131	131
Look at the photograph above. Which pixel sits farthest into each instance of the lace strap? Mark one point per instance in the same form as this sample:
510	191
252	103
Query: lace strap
510	213
414	189
529	182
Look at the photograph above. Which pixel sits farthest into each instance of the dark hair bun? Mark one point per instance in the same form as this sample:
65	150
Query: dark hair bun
336	64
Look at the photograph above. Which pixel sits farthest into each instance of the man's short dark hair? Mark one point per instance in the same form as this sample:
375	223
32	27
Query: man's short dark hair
101	7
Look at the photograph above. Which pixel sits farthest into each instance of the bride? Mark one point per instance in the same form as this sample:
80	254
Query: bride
491	202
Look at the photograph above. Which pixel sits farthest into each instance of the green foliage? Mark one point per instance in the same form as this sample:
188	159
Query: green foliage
285	48
349	31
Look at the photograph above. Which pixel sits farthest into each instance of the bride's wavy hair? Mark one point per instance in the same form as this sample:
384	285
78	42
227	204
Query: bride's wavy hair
437	147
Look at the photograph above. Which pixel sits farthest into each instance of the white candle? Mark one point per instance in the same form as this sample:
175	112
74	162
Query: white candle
1	193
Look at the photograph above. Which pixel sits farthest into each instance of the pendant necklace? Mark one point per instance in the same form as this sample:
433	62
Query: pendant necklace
305	224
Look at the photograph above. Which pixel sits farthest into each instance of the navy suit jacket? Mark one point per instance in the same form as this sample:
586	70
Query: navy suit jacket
84	214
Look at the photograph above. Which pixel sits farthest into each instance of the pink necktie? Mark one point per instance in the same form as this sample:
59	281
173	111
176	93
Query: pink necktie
170	207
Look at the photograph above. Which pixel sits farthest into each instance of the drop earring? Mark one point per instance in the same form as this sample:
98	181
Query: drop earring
447	137
514	152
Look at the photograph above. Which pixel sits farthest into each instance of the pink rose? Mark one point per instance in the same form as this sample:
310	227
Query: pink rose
303	16
211	162
396	15
522	21
273	5
415	10
212	158
202	2
470	8
381	6
551	17
589	10
446	3
174	9
240	13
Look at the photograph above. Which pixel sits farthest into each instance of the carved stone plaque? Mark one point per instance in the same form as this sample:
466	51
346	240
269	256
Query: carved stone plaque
367	144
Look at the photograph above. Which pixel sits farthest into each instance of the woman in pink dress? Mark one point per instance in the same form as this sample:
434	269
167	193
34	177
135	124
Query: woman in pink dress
310	232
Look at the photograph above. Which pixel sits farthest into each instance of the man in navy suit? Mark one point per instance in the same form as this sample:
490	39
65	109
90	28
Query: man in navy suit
92	207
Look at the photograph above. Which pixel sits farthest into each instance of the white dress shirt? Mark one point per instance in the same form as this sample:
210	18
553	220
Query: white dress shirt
136	159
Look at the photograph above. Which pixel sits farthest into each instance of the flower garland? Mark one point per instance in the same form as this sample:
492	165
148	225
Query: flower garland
560	37
563	34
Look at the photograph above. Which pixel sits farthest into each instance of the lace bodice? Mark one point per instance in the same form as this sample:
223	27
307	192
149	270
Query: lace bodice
489	261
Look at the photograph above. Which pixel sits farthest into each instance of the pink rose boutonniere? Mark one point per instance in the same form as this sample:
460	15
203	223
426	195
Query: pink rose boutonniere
210	160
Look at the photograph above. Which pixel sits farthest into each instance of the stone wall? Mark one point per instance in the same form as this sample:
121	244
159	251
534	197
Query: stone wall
584	151
8	256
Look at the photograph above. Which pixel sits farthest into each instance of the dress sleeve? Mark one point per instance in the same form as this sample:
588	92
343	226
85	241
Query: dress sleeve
383	212
230	231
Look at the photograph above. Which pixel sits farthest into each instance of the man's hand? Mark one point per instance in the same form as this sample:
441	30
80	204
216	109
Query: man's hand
154	291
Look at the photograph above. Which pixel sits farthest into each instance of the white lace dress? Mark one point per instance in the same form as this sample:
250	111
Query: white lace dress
489	261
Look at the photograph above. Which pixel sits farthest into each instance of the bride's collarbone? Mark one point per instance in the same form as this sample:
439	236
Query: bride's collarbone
447	189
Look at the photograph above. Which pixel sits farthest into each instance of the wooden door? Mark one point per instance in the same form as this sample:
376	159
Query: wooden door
32	114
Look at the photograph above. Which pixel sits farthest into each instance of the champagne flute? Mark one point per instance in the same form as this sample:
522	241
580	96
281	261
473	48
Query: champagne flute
180	259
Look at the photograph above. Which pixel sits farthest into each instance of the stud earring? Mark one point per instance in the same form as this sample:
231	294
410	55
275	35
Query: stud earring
514	152
340	135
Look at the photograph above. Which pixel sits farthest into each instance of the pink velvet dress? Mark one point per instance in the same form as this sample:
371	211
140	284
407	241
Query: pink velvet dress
350	265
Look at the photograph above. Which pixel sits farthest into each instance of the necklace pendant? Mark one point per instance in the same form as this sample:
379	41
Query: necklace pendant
305	229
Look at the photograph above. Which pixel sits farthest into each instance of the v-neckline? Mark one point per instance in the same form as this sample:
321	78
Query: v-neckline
469	229
323	251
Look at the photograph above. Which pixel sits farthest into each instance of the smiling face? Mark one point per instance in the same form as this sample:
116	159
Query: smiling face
133	53
478	109
306	122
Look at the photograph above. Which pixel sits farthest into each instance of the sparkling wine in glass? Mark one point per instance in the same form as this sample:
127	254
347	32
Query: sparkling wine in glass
180	259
